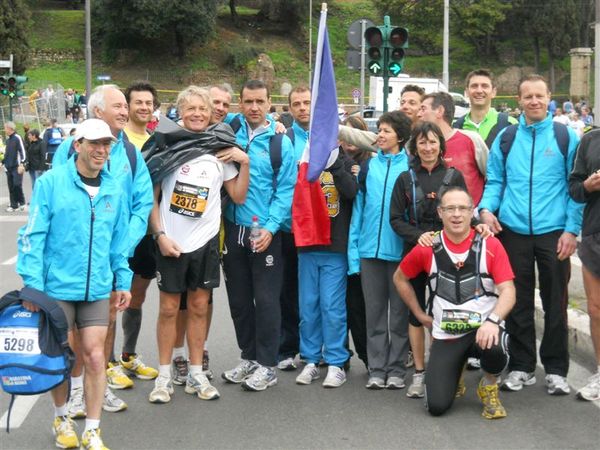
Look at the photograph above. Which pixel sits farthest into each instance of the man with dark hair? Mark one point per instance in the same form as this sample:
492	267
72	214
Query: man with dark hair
465	150
410	101
221	101
252	259
527	199
52	138
14	155
142	100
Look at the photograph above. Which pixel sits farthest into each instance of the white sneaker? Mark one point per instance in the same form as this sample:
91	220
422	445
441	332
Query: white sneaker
310	373
287	365
417	387
240	372
199	384
473	364
395	383
375	383
336	376
557	385
76	405
112	403
163	389
517	379
262	378
590	391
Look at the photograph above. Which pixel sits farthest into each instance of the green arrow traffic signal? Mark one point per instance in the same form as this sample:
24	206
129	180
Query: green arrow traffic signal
375	41
3	86
374	67
398	42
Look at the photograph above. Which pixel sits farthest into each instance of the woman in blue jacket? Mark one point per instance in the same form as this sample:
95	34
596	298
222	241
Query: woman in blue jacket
375	250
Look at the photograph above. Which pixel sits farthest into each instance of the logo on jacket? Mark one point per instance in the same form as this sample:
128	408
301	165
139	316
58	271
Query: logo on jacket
549	153
269	261
22	315
185	169
107	206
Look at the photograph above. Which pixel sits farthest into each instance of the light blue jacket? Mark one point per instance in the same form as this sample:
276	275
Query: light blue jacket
273	208
535	198
300	139
371	235
72	246
138	188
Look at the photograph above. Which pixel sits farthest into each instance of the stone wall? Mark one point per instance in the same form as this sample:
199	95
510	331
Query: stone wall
45	56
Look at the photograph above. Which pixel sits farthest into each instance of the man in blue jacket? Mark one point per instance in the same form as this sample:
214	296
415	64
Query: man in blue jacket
253	268
73	246
527	198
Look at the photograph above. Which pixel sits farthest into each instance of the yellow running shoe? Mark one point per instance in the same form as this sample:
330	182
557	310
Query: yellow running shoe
492	408
135	367
116	378
91	440
63	429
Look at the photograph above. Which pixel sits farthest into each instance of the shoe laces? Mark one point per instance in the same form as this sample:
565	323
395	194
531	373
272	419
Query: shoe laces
557	380
94	439
419	378
518	375
199	378
110	397
66	425
117	369
492	395
162	382
262	372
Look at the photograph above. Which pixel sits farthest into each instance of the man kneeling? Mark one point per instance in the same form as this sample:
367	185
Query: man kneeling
470	295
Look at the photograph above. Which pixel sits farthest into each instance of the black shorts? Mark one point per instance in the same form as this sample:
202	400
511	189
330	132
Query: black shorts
419	285
143	261
589	253
183	301
199	269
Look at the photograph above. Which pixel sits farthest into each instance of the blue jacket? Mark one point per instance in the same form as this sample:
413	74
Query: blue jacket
536	198
271	208
138	188
371	235
71	245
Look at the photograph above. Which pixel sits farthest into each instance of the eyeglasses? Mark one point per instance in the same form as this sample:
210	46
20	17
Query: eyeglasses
463	209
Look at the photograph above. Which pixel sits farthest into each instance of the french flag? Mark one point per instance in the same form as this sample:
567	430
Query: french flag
310	217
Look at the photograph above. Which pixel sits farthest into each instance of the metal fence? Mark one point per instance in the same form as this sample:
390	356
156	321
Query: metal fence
37	109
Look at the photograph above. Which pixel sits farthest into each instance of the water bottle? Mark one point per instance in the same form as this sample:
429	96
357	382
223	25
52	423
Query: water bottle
254	233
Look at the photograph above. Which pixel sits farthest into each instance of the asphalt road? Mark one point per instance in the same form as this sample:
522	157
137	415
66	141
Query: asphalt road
291	416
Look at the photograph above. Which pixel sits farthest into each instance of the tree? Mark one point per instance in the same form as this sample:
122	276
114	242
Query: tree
290	13
15	20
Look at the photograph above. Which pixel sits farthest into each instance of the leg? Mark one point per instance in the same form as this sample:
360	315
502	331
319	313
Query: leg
92	341
132	317
165	327
493	361
311	328
109	344
290	341
18	186
197	317
591	283
11	189
416	332
398	320
357	323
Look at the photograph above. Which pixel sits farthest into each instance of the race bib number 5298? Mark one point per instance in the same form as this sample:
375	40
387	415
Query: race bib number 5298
19	340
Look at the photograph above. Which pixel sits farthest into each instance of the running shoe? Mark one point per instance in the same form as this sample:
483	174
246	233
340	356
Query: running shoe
492	408
287	365
262	378
199	384
417	387
473	364
310	373
395	383
76	406
336	376
557	385
116	378
91	440
517	379
112	403
179	368
240	372
591	391
375	383
163	389
63	428
135	367
205	365
11	209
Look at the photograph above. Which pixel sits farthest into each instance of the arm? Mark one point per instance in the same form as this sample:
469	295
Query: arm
119	248
481	151
581	185
365	140
237	187
166	245
20	150
344	181
494	187
141	203
354	233
488	333
399	213
407	293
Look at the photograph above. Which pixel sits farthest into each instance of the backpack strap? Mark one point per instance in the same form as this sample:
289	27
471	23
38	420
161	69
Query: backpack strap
460	122
507	139
417	194
275	154
501	124
362	175
290	133
235	124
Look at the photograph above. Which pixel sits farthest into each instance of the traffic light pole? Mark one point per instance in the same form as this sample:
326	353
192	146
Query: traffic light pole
386	78
10	108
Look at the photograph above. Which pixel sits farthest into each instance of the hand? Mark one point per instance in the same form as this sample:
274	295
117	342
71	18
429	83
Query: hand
487	335
484	230
122	300
426	239
491	221
592	183
30	306
280	128
567	244
355	169
168	247
233	154
426	320
263	241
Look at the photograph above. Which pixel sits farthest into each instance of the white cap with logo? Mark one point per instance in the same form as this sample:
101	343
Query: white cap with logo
93	130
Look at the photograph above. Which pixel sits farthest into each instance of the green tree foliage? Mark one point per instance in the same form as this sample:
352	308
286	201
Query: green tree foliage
14	26
133	23
290	13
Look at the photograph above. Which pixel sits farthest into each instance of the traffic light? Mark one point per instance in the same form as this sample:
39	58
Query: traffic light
3	86
375	39
12	87
398	42
21	80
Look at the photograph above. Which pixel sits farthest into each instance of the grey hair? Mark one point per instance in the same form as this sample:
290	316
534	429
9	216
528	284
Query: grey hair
96	100
193	91
10	125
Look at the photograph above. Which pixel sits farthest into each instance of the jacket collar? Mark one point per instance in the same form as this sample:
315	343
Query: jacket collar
539	127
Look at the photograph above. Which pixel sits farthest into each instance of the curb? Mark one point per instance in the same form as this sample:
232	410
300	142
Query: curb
580	340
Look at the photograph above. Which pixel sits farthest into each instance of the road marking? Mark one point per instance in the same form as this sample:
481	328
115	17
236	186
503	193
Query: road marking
10	261
575	260
21	408
22	219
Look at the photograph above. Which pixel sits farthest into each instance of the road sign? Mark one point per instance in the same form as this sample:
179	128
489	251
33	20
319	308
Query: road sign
353	59
103	78
355	93
374	67
6	64
355	33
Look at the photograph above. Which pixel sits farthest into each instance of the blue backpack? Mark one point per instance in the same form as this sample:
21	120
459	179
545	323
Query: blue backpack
35	355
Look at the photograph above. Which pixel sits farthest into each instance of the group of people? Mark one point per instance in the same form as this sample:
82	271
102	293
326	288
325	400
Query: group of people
413	211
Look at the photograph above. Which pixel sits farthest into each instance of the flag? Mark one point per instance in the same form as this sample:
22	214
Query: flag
310	216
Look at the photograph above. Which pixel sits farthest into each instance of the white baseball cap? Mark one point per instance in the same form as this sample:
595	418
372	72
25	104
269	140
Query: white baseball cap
92	130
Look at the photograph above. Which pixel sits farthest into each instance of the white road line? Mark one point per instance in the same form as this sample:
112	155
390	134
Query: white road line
16	219
10	261
21	408
576	261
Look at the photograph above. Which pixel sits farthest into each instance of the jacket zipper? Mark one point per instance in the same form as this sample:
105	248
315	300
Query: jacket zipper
382	207
531	184
89	267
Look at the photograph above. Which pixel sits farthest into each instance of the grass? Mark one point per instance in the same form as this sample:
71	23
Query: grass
68	74
58	30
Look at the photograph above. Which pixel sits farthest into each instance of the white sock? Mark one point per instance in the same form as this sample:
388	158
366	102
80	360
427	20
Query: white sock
179	351
195	370
61	410
77	382
91	424
164	371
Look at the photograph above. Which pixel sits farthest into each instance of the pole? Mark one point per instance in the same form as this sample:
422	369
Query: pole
386	60
10	106
310	43
363	52
88	48
597	66
445	57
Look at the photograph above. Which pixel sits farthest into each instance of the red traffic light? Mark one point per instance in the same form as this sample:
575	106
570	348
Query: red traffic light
399	37
373	37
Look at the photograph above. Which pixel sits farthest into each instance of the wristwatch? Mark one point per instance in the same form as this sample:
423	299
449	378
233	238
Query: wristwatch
495	318
158	234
